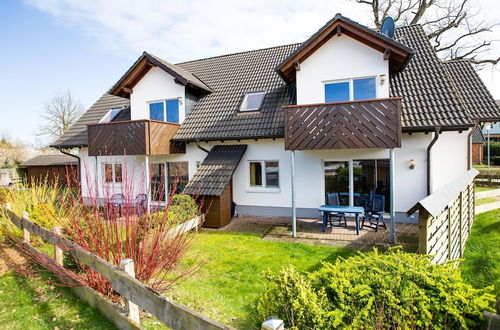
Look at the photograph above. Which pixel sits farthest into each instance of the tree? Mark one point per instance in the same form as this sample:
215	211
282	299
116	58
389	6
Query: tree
456	30
61	112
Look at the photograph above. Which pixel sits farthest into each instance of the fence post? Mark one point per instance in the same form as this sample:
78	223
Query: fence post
58	252
449	231
133	310
423	235
26	234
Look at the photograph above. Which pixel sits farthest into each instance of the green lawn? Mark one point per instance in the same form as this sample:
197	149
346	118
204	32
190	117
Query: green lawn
34	304
230	281
482	188
481	264
486	200
485	167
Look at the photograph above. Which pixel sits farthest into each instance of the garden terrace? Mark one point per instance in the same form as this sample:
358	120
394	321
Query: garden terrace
344	125
133	137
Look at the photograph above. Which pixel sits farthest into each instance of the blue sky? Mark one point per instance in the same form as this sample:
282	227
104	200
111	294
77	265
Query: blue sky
48	46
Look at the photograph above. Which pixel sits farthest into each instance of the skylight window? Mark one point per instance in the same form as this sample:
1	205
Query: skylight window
252	101
110	115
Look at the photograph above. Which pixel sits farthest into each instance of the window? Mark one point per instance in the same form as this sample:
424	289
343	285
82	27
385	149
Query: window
167	110
110	115
352	89
177	174
113	173
264	174
252	101
157	171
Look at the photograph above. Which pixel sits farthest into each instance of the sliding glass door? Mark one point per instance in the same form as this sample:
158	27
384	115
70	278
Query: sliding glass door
371	176
158	182
336	182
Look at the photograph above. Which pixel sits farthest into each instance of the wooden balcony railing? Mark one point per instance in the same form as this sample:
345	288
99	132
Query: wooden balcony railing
344	125
133	137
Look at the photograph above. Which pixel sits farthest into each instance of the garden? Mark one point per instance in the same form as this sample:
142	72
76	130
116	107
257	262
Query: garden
240	279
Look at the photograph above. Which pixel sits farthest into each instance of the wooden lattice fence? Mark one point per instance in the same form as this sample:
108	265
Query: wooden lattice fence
445	219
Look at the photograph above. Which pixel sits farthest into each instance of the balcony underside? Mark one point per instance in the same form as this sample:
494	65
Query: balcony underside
133	137
344	125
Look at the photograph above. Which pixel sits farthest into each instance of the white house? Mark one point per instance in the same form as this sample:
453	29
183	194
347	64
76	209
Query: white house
347	103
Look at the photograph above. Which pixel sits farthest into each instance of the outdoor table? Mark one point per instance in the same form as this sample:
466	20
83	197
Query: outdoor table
326	209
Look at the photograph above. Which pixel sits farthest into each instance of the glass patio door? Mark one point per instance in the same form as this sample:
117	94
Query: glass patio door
371	176
158	182
336	175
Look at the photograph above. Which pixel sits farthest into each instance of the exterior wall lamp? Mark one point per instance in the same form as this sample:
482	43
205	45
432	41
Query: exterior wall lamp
180	100
412	163
382	79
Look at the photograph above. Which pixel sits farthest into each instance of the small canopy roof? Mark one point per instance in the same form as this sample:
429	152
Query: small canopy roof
147	61
50	160
216	171
397	53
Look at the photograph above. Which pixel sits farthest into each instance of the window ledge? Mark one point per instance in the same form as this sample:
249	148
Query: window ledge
264	190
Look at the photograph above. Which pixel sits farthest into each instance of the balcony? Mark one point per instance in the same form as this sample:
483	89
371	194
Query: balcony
133	137
344	125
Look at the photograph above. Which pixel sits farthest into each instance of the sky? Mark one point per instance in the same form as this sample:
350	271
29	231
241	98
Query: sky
49	46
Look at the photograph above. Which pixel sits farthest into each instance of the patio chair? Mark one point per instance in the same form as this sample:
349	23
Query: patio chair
334	199
141	204
117	201
375	213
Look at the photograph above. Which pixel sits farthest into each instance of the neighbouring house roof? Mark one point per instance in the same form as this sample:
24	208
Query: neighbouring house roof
432	93
478	137
397	53
143	64
50	160
216	171
76	136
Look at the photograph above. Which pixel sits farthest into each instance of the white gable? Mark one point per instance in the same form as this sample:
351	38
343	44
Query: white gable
340	58
156	85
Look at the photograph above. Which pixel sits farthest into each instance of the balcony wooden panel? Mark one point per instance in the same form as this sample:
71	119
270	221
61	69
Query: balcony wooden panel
344	125
133	137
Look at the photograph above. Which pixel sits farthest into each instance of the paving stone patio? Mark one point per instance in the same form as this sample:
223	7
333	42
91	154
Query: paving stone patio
309	231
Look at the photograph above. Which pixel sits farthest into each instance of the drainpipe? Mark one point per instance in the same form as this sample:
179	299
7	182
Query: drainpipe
200	147
437	131
469	145
79	162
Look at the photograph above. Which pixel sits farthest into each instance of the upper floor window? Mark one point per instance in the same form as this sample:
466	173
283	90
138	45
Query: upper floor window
167	110
351	90
252	101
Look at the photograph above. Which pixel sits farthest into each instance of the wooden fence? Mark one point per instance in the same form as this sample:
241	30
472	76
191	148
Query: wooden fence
137	295
445	219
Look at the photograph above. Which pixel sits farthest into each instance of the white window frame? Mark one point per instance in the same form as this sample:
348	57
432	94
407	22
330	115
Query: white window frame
252	109
351	86
164	101
264	187
113	172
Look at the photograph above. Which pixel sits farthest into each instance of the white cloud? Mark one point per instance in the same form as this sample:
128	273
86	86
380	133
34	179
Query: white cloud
180	30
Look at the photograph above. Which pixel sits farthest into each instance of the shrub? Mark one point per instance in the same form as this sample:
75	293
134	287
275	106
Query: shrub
375	290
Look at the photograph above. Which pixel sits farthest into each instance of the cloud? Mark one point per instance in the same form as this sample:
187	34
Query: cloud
183	30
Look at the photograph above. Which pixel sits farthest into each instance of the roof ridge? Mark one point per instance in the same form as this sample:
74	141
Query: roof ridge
237	53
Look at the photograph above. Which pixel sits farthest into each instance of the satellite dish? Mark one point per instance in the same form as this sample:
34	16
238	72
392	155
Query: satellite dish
388	27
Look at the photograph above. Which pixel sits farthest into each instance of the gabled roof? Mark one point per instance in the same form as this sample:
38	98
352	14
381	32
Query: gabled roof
471	91
50	160
215	173
143	64
76	136
478	137
397	53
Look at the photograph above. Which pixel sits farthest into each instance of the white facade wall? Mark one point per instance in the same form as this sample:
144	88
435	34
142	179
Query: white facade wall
156	85
340	58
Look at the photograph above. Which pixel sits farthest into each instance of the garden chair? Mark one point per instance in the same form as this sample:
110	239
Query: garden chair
374	212
141	204
334	199
117	201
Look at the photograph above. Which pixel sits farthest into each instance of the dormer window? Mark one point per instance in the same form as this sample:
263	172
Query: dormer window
252	101
351	90
110	115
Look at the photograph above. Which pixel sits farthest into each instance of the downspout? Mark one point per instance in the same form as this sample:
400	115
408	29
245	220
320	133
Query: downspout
437	131
79	163
469	145
200	147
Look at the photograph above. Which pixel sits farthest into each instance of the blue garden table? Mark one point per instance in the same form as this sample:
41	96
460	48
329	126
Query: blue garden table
327	209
